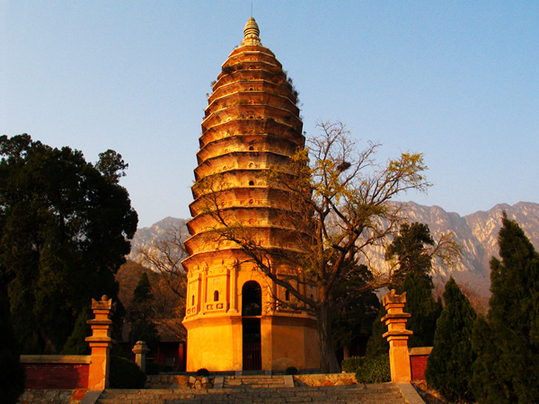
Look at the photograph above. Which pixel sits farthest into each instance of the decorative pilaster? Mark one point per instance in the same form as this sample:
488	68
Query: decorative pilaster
397	336
100	343
140	350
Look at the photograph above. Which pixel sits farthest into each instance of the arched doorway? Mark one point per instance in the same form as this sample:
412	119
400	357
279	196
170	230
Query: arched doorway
251	310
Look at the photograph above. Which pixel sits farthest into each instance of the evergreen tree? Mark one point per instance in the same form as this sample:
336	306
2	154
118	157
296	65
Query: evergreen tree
409	248
143	291
355	323
414	277
423	307
76	343
141	314
64	230
449	364
507	369
377	344
12	375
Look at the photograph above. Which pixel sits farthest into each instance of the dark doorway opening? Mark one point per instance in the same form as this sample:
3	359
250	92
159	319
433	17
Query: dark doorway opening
252	356
251	311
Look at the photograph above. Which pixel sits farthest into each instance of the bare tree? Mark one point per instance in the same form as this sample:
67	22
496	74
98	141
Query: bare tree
336	201
164	256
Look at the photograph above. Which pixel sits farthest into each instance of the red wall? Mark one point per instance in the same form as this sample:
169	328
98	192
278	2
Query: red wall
419	365
56	375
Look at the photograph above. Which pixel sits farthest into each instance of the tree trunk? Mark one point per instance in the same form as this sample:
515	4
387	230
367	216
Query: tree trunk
328	359
346	352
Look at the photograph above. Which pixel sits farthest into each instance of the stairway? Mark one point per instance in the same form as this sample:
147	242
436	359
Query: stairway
259	389
252	382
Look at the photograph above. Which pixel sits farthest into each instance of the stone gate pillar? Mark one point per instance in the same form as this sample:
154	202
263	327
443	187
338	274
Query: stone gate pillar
100	343
397	336
140	350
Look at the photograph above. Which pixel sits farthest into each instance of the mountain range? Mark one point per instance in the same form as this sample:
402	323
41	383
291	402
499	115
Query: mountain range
477	234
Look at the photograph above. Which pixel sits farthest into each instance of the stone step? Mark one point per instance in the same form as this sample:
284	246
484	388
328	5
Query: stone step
370	394
253	381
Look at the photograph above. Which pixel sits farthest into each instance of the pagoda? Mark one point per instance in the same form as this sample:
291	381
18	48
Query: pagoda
233	318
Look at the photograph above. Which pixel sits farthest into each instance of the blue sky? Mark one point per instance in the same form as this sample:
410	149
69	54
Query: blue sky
455	80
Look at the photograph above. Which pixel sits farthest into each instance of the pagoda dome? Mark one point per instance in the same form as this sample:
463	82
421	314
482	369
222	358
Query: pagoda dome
251	124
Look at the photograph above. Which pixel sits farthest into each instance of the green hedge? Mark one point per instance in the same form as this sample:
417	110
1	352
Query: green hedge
369	370
351	364
125	374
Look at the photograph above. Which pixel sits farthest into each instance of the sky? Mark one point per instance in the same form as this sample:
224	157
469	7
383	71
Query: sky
455	80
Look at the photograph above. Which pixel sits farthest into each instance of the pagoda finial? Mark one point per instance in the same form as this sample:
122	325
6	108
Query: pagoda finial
251	33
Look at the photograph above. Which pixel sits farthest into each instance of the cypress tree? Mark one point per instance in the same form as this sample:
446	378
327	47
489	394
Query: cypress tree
507	369
141	315
423	307
449	364
76	343
377	344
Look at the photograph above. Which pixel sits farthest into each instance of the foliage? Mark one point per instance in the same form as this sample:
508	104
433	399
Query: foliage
153	368
64	230
507	343
291	370
164	257
373	370
412	251
355	321
125	374
352	364
339	203
12	374
449	364
143	291
203	372
140	314
377	344
424	310
76	343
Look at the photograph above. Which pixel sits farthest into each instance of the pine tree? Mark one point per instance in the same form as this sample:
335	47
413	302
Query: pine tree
507	369
410	248
423	307
141	313
449	364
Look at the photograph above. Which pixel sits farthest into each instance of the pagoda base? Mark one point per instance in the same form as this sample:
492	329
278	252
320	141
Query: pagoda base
217	343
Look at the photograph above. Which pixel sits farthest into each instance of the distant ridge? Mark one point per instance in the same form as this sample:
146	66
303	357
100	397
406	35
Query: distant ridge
477	233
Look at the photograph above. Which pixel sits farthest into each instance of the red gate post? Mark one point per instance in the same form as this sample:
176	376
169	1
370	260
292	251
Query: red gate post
397	336
100	343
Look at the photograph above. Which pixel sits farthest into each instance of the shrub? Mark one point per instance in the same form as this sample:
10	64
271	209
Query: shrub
373	370
125	374
203	372
351	364
291	370
153	368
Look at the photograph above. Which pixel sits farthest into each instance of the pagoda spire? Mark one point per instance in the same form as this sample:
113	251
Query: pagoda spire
251	33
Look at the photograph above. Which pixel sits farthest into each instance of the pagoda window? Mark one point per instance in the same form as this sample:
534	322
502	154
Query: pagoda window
287	295
251	183
216	296
193	300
